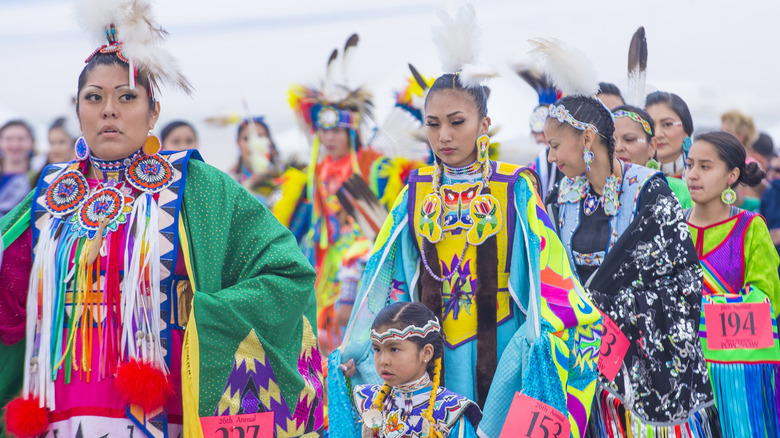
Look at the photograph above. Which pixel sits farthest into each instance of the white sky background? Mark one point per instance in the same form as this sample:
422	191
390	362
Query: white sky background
716	54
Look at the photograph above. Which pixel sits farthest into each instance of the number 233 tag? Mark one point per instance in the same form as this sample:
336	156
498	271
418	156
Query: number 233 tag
530	418
614	346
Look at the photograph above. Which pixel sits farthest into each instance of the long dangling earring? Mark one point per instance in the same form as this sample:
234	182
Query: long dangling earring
729	196
653	164
152	145
587	156
483	148
82	149
686	145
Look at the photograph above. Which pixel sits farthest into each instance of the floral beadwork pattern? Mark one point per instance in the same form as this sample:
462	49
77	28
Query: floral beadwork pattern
429	218
486	214
459	291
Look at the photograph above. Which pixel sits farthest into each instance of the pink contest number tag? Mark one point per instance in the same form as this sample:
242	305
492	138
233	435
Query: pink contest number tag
738	326
259	425
531	418
614	346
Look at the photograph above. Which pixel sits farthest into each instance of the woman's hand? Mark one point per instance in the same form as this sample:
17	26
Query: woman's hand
349	368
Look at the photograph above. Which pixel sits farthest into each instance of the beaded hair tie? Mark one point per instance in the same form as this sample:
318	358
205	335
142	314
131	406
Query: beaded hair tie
561	114
394	334
635	117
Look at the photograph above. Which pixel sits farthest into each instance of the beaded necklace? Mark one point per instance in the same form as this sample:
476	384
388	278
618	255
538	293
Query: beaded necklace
469	169
406	390
450	171
113	169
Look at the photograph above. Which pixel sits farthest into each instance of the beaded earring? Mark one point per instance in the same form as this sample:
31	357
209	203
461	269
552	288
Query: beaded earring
729	196
686	145
82	149
483	148
653	164
587	156
152	145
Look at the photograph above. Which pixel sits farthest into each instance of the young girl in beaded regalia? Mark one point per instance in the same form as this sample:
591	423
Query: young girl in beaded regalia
408	346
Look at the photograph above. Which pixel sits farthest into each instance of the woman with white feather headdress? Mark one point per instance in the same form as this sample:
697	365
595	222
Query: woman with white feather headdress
130	274
625	237
468	239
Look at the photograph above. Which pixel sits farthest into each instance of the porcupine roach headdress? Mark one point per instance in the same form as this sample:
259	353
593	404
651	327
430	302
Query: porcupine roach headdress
547	92
333	104
134	37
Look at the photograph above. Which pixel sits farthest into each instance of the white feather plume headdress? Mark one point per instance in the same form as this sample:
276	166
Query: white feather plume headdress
135	36
457	41
571	71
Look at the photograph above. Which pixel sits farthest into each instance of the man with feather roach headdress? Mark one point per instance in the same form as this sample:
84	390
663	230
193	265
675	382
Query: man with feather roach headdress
344	199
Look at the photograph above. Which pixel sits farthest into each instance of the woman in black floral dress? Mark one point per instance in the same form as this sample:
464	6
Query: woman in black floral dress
626	238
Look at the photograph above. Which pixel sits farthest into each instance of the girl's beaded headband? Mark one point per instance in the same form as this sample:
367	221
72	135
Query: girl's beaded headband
635	117
561	114
394	334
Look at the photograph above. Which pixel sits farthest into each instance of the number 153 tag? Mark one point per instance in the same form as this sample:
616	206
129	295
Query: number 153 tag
530	418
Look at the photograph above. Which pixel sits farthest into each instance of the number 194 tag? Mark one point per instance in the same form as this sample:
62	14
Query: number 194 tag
738	325
530	418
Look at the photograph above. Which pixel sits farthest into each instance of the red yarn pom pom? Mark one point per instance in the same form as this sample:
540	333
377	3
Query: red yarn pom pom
142	384
25	418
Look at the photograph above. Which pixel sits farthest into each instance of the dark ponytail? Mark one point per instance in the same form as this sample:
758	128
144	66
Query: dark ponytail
733	153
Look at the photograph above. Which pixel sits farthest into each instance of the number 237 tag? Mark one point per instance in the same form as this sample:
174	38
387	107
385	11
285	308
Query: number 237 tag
530	418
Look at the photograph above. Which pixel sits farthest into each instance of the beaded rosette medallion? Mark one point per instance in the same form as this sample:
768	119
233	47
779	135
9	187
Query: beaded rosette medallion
463	208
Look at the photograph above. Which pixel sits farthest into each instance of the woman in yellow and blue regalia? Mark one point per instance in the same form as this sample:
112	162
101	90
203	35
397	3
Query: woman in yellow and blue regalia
469	238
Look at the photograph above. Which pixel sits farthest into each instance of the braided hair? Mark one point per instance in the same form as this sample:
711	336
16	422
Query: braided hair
591	110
